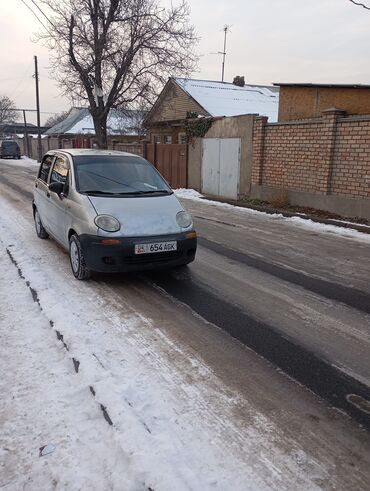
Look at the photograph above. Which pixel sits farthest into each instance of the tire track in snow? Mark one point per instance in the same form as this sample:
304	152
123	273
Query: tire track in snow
59	335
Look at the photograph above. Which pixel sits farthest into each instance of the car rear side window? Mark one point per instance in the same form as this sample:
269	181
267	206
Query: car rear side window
45	167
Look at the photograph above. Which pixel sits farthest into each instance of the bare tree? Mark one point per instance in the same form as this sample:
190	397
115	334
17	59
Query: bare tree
112	53
131	121
7	109
359	4
57	118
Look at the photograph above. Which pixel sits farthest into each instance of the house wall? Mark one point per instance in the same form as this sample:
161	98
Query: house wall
195	164
174	104
161	131
233	127
322	163
309	102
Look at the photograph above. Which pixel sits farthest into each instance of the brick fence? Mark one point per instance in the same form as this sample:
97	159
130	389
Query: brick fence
313	159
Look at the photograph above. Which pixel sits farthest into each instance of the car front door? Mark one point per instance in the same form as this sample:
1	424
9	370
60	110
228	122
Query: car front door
58	203
42	189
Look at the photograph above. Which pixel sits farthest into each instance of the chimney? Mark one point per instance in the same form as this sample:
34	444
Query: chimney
239	81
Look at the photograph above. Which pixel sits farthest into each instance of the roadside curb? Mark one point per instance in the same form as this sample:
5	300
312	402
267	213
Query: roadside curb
287	214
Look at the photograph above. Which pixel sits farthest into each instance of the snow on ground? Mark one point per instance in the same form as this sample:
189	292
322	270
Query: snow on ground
173	423
297	221
43	402
24	162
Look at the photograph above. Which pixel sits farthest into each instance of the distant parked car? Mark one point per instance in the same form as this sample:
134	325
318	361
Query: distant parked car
9	148
112	211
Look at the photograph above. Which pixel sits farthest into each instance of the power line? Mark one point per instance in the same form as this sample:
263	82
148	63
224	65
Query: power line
37	17
42	12
16	91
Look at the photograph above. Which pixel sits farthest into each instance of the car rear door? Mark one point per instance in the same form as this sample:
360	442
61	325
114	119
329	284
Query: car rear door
42	189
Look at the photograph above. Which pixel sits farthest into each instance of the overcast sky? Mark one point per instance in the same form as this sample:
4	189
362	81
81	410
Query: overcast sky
270	41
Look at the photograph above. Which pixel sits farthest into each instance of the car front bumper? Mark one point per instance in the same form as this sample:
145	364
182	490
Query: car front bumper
121	257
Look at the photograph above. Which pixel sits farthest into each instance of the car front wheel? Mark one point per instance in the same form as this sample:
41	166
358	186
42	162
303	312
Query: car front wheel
78	265
40	231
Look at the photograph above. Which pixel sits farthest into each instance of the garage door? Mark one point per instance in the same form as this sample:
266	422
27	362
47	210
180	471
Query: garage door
221	167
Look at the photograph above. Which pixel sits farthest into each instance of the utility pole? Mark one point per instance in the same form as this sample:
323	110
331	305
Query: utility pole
25	139
39	145
223	53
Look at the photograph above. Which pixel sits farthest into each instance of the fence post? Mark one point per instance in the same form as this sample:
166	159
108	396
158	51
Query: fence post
259	130
328	134
187	164
155	154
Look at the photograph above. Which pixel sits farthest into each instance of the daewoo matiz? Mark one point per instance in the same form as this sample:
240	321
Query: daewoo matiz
112	211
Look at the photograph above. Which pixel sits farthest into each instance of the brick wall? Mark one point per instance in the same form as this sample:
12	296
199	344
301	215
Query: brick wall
302	102
327	155
351	166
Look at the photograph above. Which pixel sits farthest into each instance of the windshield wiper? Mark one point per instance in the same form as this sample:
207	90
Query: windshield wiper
153	191
139	191
97	191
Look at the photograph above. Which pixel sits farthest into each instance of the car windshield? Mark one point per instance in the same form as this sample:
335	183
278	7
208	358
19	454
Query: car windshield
117	175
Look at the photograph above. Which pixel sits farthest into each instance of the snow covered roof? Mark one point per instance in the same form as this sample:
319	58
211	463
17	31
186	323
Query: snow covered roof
226	99
80	122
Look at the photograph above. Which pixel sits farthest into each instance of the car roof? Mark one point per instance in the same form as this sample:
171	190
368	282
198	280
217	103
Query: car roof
90	151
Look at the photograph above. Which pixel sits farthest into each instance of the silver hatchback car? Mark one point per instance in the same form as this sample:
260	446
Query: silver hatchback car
112	211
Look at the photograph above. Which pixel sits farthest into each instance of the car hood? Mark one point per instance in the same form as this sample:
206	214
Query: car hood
141	216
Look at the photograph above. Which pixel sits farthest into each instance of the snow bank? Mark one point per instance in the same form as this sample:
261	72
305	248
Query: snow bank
296	221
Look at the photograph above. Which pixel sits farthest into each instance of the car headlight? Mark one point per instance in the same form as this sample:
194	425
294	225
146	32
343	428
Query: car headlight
107	223
184	219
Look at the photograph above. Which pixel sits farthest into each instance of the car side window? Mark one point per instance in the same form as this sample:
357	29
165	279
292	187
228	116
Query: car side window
45	167
60	173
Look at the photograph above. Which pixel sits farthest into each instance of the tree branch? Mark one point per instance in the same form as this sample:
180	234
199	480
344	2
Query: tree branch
359	4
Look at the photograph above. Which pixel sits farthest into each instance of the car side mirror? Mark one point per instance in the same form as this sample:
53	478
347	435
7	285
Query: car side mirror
56	187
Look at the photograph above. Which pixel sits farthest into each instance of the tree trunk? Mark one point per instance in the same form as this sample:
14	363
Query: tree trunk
100	125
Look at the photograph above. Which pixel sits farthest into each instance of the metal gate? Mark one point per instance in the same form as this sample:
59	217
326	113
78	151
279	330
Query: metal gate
221	167
171	161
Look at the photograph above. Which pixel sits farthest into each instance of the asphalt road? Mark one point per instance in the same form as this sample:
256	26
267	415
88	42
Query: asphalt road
299	300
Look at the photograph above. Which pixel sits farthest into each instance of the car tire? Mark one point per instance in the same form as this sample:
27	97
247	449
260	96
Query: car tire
40	231
76	257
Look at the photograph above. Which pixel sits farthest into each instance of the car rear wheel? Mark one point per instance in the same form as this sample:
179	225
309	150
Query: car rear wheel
40	231
78	265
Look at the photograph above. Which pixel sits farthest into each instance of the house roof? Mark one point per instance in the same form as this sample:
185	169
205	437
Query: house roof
227	99
79	122
336	86
19	128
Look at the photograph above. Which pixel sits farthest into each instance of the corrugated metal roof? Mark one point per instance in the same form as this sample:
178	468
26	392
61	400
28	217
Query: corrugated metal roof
80	122
226	99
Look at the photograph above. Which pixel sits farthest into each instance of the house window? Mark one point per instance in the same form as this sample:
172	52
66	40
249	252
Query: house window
168	139
182	138
157	139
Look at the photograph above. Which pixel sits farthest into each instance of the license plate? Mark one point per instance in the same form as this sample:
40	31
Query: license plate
155	247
